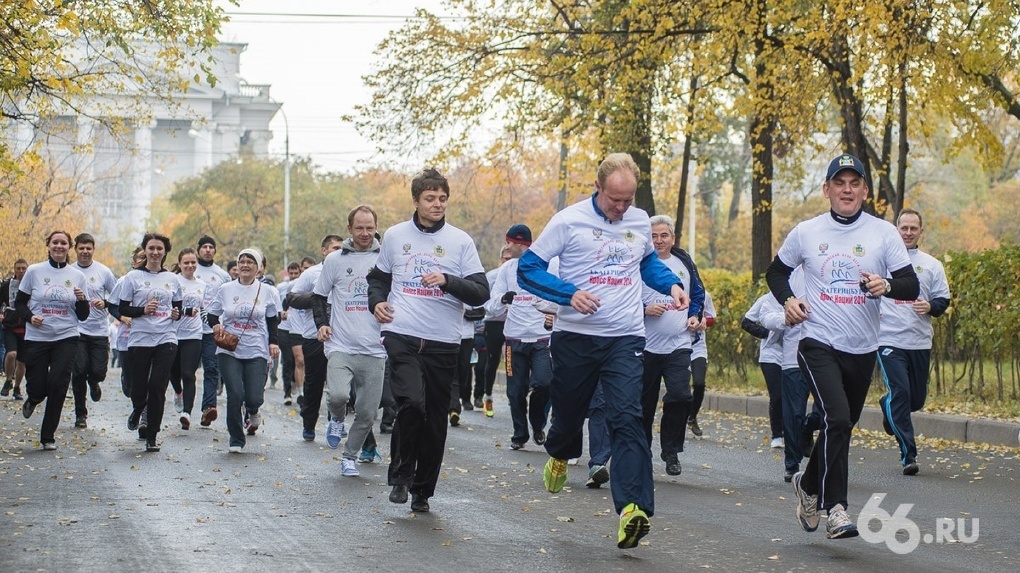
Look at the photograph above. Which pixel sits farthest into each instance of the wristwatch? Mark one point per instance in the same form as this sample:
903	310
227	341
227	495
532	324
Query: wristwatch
888	286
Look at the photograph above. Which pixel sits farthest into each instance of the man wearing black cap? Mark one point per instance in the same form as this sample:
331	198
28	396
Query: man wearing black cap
213	276
846	254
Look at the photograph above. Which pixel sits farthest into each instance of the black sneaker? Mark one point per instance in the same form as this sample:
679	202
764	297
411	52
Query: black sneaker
151	445
95	392
911	469
454	418
695	428
789	475
385	428
597	475
80	422
514	445
132	421
539	437
673	467
419	503
466	405
6	391
398	494
478	402
288	400
17	393
27	408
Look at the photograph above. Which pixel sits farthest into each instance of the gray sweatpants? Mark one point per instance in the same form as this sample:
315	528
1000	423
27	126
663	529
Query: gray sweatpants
365	373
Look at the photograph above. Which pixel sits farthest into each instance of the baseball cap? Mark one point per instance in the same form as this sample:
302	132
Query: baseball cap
845	161
519	234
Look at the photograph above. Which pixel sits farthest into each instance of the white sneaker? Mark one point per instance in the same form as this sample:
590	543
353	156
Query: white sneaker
334	433
235	449
349	468
839	525
777	443
185	421
807	505
179	402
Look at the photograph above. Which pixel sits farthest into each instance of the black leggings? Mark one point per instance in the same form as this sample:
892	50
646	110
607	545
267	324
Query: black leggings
699	369
182	373
150	373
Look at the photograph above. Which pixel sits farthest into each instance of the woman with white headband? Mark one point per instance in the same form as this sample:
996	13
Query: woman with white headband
249	310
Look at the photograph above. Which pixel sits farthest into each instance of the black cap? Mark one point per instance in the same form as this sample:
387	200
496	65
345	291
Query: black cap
206	239
519	234
845	161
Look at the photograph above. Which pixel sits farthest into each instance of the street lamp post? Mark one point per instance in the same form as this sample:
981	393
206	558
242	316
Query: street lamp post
286	189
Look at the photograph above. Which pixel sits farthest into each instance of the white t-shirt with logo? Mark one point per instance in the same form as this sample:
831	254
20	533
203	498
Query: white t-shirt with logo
770	348
141	286
52	297
834	255
407	254
282	289
213	276
699	348
494	313
603	259
192	296
244	315
100	282
900	326
301	321
343	283
666	333
524	322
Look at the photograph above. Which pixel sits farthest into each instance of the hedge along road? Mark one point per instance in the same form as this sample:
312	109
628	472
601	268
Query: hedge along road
99	504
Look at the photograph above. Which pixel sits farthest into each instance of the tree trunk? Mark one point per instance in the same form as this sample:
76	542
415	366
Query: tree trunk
561	197
904	146
851	113
685	167
762	130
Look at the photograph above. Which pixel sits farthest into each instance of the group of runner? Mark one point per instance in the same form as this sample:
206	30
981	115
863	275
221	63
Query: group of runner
595	314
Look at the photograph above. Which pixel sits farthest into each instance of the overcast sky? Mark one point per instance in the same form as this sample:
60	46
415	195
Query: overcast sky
314	54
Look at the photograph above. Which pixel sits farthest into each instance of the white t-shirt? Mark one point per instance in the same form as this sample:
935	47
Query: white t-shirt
124	330
900	326
141	286
52	292
192	296
100	282
342	281
244	315
494	313
301	321
282	289
213	276
770	348
524	322
834	255
699	349
407	254
604	259
666	333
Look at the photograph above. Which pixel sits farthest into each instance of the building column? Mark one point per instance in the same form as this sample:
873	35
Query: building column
202	135
141	171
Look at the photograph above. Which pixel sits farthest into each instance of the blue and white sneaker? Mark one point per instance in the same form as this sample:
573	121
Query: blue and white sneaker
349	468
335	432
369	456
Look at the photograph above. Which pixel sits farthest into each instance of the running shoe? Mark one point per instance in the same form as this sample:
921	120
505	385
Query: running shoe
555	474
489	410
235	449
454	418
911	469
807	505
27	408
308	435
49	446
151	446
179	402
777	443
539	437
96	392
288	400
633	526
334	433
185	421
17	393
208	415
254	421
466	405
133	420
6	391
419	503
515	445
349	468
597	475
369	456
839	525
478	401
695	428
673	466
80	422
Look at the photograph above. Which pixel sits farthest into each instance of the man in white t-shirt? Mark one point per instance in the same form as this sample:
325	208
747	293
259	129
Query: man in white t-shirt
213	276
846	254
356	359
904	352
605	253
426	272
93	356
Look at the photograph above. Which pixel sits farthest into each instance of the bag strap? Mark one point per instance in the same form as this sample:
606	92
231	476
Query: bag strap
252	313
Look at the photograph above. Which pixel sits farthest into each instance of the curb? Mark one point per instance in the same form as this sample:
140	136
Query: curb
943	426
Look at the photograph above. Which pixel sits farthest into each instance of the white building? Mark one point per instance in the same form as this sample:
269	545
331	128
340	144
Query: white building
123	170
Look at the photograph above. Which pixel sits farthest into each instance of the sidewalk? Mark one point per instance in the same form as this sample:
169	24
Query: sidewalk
944	426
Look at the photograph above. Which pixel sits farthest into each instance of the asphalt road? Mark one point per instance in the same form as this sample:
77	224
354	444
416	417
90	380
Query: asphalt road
99	503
